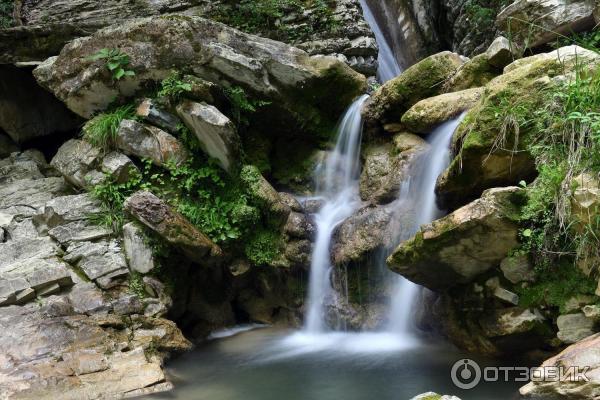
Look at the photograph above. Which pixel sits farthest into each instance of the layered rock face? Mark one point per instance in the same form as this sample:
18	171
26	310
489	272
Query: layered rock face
54	261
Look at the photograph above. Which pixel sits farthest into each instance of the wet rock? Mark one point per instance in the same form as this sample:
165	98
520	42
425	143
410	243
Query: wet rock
174	228
418	82
209	50
361	234
387	165
532	23
216	133
517	269
154	114
145	141
424	116
291	201
462	245
585	353
27	111
574	327
300	226
138	252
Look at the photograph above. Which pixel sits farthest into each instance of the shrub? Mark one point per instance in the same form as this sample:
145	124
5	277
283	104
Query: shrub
174	87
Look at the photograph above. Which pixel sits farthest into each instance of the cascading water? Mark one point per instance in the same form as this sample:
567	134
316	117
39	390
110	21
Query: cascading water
340	191
388	65
420	192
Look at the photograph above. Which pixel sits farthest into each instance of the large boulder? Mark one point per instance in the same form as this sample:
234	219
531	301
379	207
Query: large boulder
422	80
173	227
27	111
582	357
215	132
488	155
463	245
532	23
433	111
313	89
387	165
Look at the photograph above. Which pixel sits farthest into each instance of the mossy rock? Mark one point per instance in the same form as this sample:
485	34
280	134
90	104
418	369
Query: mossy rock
474	73
422	80
488	151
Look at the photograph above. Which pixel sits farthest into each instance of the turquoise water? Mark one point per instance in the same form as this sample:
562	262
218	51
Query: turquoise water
269	364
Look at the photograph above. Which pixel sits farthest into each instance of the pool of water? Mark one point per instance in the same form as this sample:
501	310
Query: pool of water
270	364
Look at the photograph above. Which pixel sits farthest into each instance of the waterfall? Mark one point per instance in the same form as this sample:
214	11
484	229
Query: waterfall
388	65
420	192
339	173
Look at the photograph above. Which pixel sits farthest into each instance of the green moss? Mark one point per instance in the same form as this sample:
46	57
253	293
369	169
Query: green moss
263	247
6	13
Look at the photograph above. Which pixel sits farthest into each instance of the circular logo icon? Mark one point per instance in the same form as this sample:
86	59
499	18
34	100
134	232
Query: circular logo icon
466	374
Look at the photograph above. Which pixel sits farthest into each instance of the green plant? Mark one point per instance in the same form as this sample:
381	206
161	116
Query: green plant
242	104
6	13
136	284
117	62
101	131
263	247
174	87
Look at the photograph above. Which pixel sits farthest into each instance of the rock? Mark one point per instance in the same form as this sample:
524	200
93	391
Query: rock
299	226
434	396
482	164
145	141
174	228
56	24
387	165
464	244
118	166
592	312
154	114
576	357
216	133
297	253
422	80
291	201
361	234
574	327
264	194
500	53
533	23
97	259
510	321
506	295
472	74
27	111
68	219
75	159
576	303
321	86
139	254
7	146
22	198
517	269
424	116
585	201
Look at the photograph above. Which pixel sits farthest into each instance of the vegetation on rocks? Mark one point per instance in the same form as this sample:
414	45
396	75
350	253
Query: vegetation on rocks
6	13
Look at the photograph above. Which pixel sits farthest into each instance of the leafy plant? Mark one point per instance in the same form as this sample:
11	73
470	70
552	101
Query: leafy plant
174	87
263	247
117	62
101	131
6	13
242	104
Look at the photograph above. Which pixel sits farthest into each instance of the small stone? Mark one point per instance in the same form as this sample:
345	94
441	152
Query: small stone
138	252
75	159
156	115
576	303
517	269
118	166
506	295
592	312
